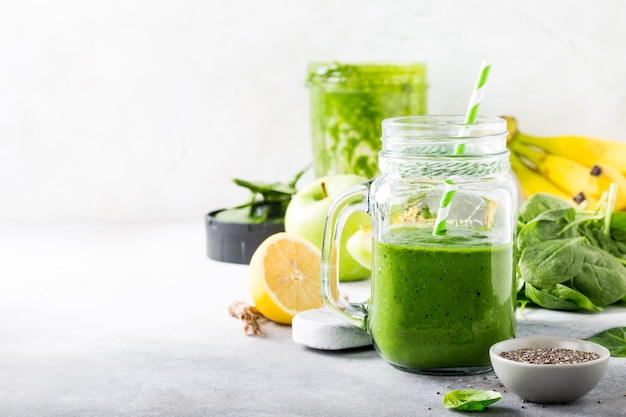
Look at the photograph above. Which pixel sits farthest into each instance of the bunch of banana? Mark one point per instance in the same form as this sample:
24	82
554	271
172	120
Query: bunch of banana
574	168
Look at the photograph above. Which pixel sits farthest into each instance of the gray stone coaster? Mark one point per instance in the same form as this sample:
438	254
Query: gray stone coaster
321	329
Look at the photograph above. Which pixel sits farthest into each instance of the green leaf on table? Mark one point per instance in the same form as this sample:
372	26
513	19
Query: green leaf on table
613	339
470	399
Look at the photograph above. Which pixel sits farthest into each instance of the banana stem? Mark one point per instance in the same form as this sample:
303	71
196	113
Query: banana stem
511	127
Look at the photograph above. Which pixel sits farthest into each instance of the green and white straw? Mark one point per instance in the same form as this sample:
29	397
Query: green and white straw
479	92
470	117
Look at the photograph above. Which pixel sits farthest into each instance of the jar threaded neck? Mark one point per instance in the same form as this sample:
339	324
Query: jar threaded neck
444	147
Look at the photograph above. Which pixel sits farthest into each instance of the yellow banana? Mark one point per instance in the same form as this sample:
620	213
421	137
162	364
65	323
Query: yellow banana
532	182
569	175
602	175
584	150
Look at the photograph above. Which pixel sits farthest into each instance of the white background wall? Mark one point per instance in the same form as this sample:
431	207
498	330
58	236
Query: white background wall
146	109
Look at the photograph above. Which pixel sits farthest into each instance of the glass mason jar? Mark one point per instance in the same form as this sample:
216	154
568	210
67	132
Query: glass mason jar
348	103
439	298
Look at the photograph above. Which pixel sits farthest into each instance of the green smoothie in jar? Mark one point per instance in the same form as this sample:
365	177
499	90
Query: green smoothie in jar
348	104
440	297
440	302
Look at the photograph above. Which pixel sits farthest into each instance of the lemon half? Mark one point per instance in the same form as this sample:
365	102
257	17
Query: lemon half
285	277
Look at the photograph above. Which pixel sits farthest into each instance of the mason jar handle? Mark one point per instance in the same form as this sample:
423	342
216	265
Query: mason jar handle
352	200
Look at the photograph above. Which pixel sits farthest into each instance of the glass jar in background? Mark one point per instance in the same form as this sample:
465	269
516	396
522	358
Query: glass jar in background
439	298
348	104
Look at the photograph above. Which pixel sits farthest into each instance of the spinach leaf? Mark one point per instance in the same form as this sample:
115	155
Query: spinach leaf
551	262
559	297
560	215
596	237
618	221
602	278
537	231
552	224
618	235
267	203
613	339
570	258
540	203
470	399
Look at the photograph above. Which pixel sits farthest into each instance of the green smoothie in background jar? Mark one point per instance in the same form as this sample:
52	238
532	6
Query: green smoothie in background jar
440	301
348	104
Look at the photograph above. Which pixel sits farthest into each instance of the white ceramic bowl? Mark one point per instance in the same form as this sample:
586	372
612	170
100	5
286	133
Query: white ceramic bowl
549	384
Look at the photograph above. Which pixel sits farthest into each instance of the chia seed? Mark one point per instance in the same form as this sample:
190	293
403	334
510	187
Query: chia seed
549	356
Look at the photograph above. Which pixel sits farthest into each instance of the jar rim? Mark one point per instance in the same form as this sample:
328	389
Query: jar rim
442	127
319	73
443	138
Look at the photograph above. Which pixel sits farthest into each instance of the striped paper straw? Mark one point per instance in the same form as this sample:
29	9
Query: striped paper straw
470	117
479	92
444	207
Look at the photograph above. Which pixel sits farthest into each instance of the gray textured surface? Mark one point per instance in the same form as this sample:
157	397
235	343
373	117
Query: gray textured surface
113	320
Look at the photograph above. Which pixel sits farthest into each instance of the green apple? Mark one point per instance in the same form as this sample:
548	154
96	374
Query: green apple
306	216
359	246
